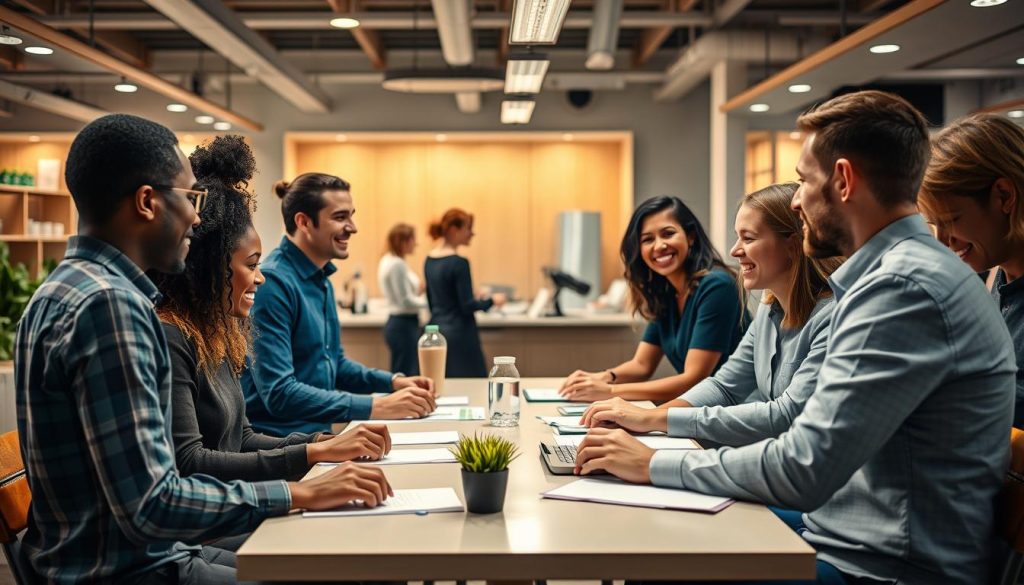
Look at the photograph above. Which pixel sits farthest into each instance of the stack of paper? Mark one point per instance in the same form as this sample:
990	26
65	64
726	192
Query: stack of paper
613	491
452	413
418	501
425	438
452	400
409	456
652	441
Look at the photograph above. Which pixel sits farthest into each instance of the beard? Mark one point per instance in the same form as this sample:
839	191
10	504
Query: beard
169	248
826	236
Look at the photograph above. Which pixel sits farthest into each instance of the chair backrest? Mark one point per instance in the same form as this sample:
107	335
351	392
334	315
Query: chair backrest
14	493
1011	506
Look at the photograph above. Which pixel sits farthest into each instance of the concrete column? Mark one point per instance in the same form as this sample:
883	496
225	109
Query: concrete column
728	153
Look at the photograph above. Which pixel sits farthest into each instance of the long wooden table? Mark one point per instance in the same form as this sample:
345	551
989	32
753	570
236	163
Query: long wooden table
533	538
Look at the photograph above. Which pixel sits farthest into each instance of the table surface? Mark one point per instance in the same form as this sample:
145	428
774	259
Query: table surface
533	538
496	320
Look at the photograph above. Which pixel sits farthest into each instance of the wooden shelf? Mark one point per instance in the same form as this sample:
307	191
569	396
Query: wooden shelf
24	238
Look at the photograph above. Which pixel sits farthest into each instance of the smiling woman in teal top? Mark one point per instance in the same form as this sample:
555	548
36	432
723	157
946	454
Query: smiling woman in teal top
680	284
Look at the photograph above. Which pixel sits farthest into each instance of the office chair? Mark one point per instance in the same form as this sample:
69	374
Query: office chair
1010	513
14	502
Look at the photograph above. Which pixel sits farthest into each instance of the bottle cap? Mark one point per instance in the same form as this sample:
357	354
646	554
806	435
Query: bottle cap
431	329
504	359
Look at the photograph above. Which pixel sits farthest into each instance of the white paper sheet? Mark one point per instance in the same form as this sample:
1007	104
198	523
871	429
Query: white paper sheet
452	413
543	395
424	438
573	409
409	456
654	442
613	491
452	400
403	502
565	425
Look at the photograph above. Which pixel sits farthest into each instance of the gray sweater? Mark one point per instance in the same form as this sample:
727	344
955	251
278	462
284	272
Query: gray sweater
211	432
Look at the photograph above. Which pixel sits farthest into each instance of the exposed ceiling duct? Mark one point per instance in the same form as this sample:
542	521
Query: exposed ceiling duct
453	27
41	100
469	102
694	64
604	35
219	28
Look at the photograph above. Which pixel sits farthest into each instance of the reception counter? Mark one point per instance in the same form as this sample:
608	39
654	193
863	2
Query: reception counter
543	346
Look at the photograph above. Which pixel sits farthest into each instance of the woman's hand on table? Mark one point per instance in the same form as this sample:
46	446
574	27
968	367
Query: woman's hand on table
342	485
366	441
585	387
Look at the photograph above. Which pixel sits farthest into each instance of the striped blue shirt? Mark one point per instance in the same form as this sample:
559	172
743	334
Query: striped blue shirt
93	380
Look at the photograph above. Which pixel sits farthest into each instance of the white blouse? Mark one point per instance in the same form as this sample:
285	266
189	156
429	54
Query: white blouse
400	286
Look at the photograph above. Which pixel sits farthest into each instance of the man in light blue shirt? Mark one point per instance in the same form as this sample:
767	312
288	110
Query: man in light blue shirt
899	454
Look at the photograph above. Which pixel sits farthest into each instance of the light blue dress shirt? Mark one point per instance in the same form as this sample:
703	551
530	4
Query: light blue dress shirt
899	454
765	384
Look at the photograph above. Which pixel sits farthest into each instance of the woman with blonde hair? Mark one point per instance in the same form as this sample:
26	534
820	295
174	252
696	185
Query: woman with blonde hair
766	382
973	196
453	305
403	290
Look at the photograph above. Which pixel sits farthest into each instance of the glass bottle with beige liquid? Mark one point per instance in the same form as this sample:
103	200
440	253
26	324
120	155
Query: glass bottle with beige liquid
433	352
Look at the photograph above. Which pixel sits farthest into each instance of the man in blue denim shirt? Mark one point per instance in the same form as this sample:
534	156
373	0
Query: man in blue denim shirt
899	454
299	379
93	380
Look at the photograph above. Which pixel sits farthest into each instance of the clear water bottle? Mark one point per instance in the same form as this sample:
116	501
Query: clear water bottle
432	349
503	392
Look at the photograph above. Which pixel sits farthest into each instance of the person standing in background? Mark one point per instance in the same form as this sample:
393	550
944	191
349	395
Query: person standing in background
403	290
973	197
450	295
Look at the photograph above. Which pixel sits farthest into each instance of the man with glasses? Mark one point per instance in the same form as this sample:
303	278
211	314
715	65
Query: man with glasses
93	383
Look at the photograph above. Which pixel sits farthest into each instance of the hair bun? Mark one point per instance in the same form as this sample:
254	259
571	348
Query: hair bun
435	230
226	159
281	188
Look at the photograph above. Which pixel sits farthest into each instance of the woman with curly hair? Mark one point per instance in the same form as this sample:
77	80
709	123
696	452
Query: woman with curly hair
205	310
681	285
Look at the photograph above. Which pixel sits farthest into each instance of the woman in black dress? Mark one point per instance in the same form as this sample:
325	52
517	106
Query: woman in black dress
450	295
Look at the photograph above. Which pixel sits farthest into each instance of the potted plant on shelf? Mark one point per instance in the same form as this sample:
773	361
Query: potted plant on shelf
16	289
485	460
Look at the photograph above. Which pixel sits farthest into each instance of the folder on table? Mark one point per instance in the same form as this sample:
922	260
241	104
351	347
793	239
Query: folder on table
614	491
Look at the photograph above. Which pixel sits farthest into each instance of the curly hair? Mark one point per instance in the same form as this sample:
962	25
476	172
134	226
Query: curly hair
194	300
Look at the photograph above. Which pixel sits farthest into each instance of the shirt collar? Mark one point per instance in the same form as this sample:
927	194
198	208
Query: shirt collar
872	251
302	264
110	257
1005	288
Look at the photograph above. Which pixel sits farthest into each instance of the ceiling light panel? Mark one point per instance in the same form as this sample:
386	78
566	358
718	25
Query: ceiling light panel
537	22
525	75
517	111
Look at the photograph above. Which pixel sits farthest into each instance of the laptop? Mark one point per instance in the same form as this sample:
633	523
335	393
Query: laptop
559	459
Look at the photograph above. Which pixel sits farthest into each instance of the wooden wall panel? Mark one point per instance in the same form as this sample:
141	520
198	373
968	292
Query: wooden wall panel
514	189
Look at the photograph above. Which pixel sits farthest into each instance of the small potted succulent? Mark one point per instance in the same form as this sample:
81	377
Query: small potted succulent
485	460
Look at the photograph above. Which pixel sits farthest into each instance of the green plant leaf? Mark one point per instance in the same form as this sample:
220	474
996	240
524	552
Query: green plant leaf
484	454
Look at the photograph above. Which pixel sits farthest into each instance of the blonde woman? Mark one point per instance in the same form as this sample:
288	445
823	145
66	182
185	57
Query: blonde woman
778	359
403	290
973	196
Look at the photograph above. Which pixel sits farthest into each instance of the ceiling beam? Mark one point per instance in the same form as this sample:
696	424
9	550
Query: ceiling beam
850	42
502	56
42	100
372	20
140	76
37	7
1014	104
122	45
368	40
728	10
221	29
653	38
871	5
11	58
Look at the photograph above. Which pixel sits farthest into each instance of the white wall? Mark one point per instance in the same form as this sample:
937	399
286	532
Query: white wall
670	139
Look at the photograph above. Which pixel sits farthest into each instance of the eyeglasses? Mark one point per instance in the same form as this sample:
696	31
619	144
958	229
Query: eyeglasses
195	196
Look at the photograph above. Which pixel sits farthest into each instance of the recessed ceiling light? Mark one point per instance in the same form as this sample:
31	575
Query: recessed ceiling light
203	119
222	126
1015	113
882	49
344	22
759	107
33	138
1020	61
6	38
340	138
567	137
795	135
39	50
986	3
177	108
441	137
799	88
125	86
